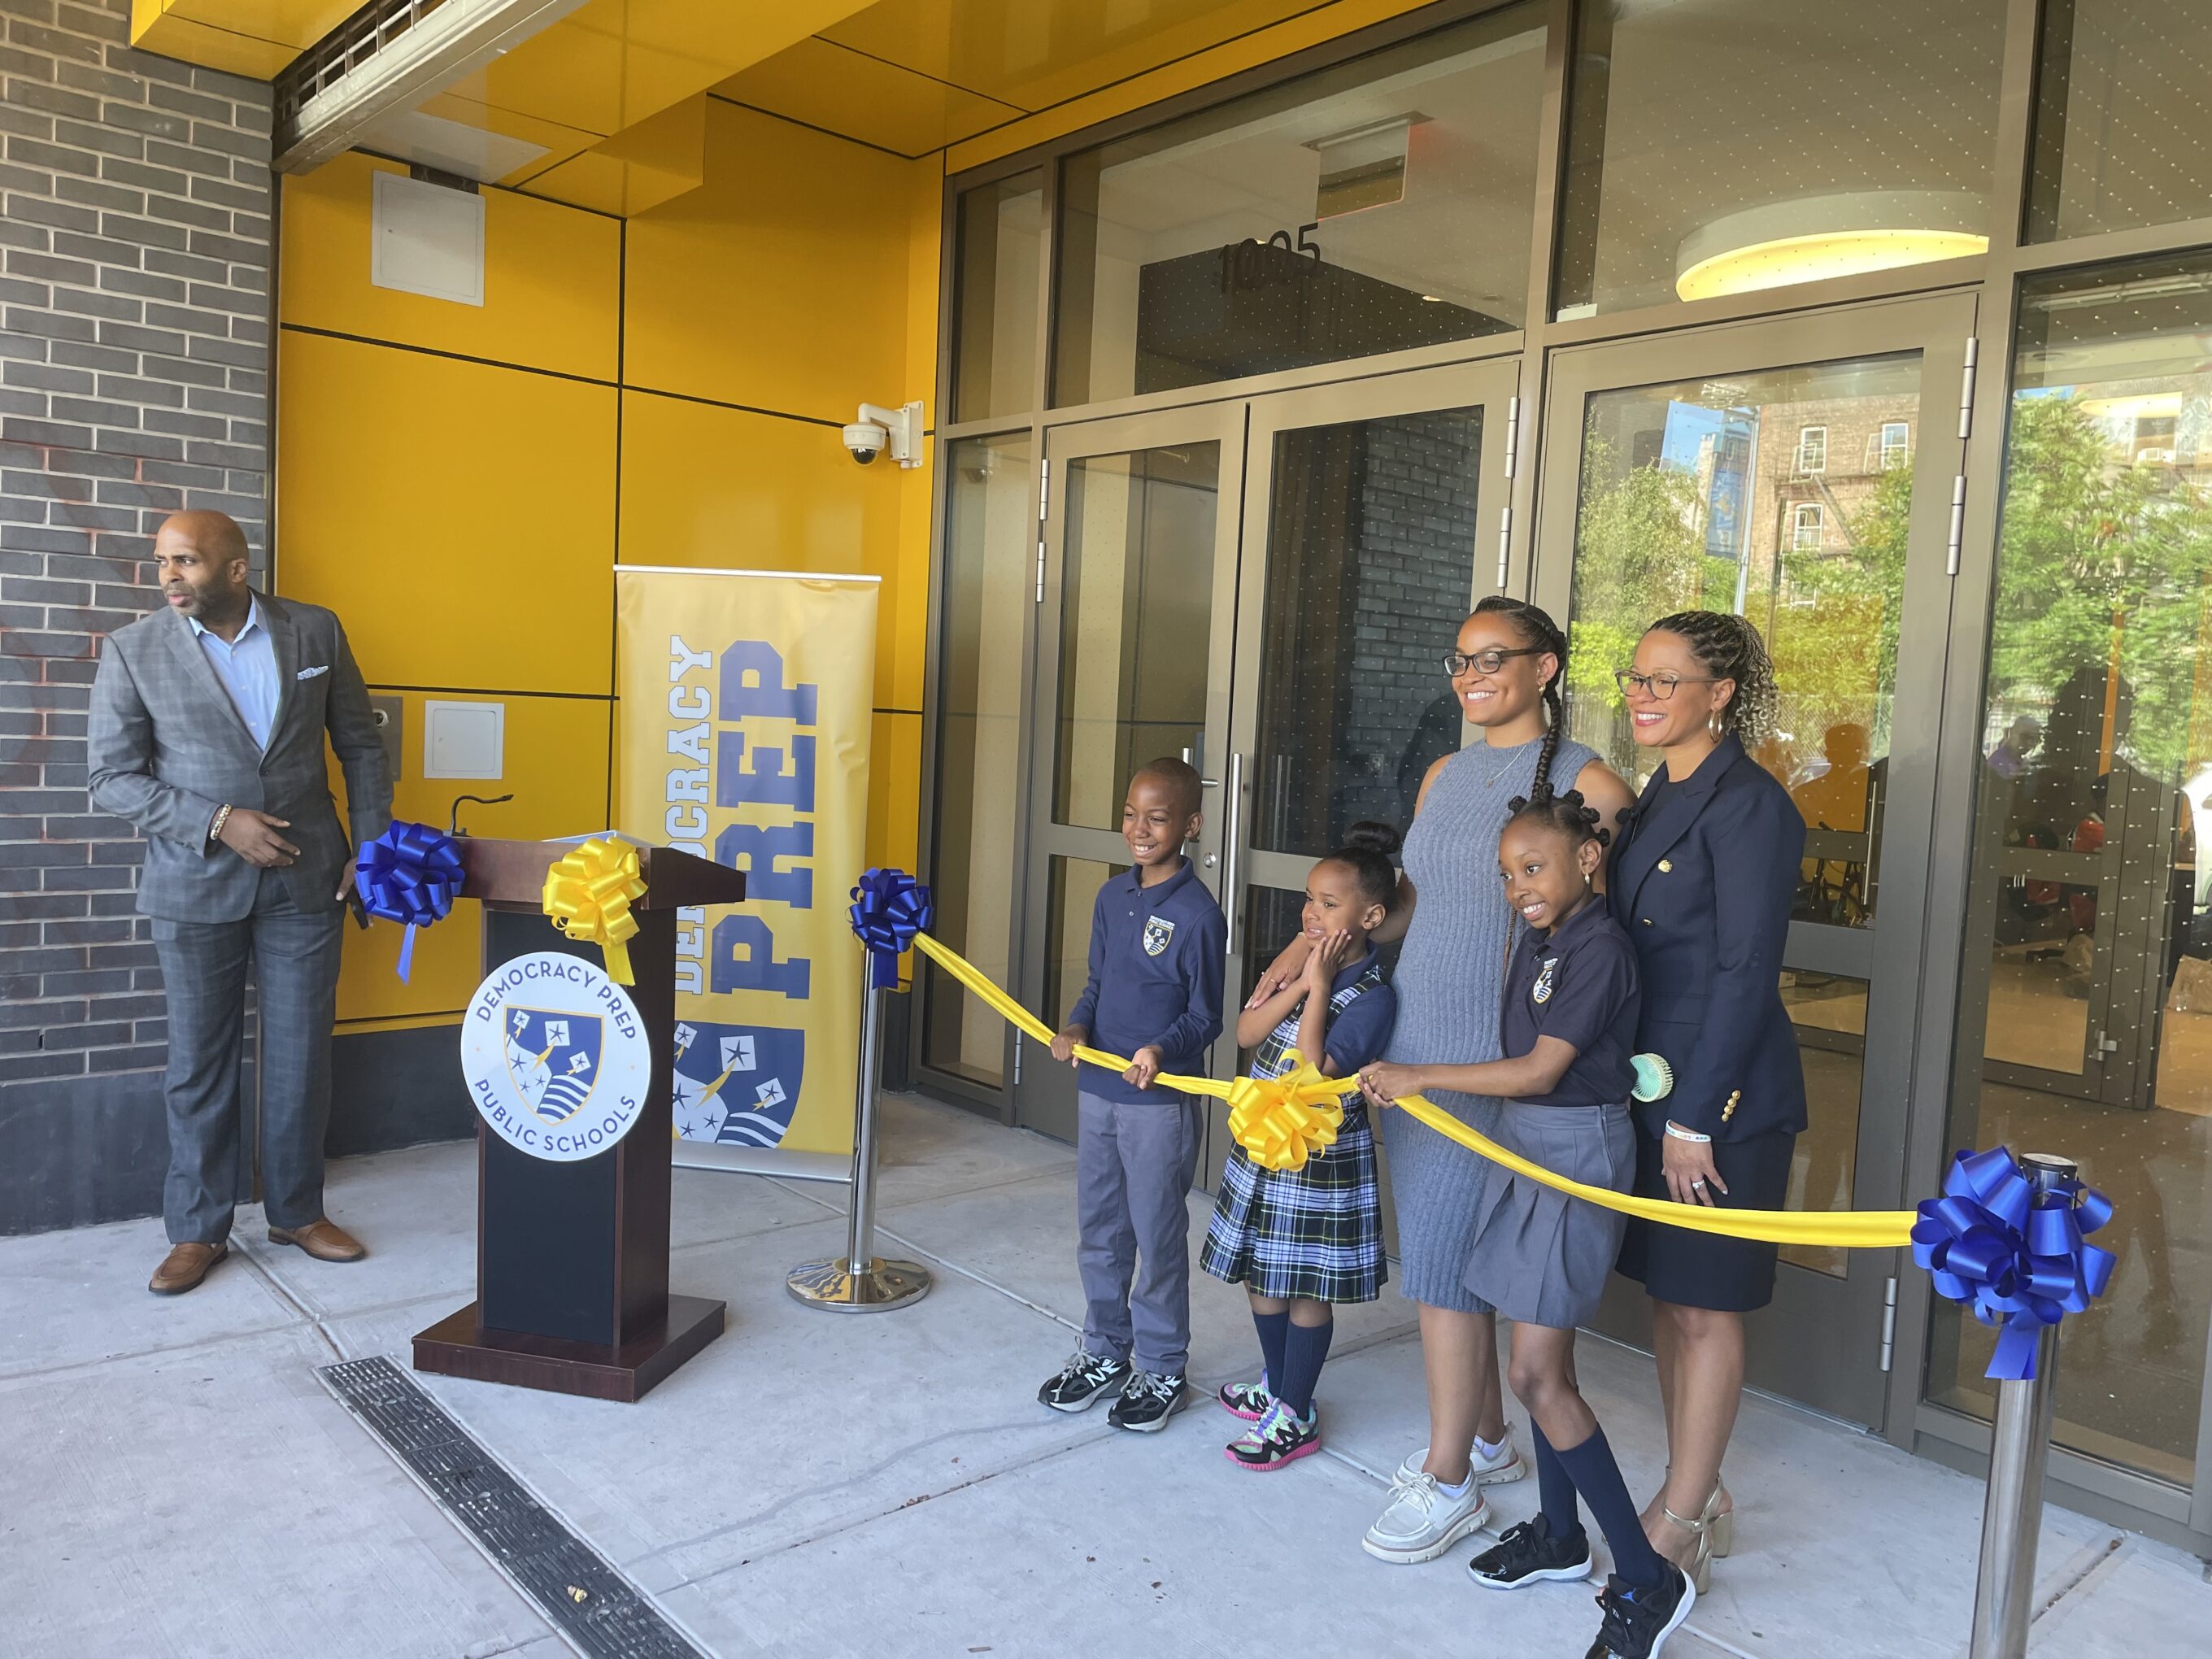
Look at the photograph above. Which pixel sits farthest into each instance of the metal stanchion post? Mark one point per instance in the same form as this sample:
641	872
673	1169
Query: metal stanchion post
860	1281
2019	1450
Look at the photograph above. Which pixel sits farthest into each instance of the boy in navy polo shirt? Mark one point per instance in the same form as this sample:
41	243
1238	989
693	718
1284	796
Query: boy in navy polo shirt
1158	942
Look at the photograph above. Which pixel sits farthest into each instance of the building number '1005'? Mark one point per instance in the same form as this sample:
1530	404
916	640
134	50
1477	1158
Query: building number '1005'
1243	266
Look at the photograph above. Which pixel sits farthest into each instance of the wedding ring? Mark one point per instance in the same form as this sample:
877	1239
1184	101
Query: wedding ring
1697	1186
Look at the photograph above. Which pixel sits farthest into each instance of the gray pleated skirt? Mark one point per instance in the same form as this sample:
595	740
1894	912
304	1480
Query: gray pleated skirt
1538	1257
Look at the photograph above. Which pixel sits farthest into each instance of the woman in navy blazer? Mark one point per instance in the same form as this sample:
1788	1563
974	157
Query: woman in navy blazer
1702	880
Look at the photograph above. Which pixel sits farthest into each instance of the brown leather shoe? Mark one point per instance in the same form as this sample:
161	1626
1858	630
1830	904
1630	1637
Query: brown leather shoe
184	1265
325	1241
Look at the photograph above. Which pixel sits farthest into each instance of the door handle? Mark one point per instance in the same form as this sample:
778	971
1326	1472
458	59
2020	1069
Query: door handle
1232	814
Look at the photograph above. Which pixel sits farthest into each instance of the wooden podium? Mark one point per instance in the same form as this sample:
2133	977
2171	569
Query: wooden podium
572	1258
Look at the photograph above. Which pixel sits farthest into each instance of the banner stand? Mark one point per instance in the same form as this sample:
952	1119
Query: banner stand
860	1281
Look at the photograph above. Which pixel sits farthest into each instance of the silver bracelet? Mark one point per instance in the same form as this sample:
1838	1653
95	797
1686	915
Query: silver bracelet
1676	1132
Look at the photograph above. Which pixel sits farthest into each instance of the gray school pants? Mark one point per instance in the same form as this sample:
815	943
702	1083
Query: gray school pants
1135	1163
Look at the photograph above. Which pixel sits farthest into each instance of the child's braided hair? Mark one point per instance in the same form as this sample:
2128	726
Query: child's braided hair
1729	649
1565	813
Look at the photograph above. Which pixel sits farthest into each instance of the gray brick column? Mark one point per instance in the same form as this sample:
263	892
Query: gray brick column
134	380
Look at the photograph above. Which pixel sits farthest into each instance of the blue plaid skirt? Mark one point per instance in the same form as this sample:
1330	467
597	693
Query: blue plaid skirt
1314	1232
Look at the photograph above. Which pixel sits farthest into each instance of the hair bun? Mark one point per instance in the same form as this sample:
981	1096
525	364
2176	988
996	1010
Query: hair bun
1373	836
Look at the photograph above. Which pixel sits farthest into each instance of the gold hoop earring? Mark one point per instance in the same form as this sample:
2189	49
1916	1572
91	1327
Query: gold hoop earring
1715	727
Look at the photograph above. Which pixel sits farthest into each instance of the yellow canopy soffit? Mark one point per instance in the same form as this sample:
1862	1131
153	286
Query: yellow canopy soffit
244	37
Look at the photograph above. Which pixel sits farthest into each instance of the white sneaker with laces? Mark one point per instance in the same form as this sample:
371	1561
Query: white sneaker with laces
1504	1464
1422	1520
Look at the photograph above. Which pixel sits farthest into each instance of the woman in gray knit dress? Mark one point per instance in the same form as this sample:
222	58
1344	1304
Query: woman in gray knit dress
1506	673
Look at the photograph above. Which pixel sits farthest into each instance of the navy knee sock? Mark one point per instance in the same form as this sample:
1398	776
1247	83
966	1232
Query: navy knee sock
1271	1328
1597	1478
1304	1348
1561	1518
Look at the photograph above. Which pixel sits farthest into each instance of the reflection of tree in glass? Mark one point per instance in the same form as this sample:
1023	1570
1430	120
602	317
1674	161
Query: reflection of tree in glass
2103	563
1832	631
1639	553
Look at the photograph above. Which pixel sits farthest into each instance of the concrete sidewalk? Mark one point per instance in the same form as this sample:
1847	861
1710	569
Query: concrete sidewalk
178	1482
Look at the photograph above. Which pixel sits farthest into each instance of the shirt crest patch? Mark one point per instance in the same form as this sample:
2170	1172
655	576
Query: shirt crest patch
1543	993
1158	930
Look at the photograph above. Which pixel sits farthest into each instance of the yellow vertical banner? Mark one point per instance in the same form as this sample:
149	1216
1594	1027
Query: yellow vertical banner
744	705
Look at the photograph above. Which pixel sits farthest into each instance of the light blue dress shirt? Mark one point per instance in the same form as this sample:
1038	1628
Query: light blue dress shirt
247	668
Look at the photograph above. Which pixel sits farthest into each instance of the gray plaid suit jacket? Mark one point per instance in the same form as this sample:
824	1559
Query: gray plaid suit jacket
167	749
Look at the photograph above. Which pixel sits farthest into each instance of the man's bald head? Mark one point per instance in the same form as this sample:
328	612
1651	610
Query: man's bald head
200	559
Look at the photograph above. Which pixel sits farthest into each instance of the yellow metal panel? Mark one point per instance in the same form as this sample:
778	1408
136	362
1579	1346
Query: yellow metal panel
460	517
1311	28
1035	53
244	37
616	62
894	790
557	769
190	42
832	86
637	169
725	488
782	281
552	277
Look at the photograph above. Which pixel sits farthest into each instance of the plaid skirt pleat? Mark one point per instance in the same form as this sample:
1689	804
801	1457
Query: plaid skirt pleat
1314	1232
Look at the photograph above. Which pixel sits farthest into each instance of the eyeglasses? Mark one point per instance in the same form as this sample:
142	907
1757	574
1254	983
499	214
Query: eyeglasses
1661	686
1457	663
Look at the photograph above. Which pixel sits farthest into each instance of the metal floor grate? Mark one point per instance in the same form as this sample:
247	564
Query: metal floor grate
601	1612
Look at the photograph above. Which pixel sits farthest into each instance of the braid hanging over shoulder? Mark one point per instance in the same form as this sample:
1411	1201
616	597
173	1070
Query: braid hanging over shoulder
1539	633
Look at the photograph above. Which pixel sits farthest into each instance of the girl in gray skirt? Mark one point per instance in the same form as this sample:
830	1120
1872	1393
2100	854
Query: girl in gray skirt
1568	1032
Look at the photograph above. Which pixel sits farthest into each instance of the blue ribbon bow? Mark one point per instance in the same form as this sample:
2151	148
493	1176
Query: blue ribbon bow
410	873
2019	1256
889	907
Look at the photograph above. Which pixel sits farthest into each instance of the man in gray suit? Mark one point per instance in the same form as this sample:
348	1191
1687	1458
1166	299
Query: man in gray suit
206	732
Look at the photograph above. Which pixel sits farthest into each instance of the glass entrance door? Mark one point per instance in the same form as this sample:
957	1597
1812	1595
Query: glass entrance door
1799	473
1136	587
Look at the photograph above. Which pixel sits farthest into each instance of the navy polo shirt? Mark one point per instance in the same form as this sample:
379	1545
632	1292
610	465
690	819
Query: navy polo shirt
1360	1032
1578	983
1156	956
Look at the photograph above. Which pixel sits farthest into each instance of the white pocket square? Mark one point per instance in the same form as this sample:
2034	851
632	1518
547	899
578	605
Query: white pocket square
310	674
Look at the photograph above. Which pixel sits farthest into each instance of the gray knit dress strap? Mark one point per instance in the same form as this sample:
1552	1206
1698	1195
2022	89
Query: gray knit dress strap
1450	979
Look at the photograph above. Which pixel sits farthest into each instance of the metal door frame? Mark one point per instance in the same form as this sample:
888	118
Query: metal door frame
1042	838
1793	1351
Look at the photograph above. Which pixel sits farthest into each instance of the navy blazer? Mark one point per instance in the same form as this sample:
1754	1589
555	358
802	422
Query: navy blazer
1701	879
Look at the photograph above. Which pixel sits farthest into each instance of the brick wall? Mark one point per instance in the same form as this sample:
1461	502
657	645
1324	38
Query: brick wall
134	305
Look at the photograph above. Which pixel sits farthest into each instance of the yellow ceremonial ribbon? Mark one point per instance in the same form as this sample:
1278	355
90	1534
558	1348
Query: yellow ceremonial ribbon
1274	1103
1281	1120
588	893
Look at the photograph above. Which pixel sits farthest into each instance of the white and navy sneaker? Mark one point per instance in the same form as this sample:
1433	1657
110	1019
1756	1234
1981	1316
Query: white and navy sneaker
1422	1520
1147	1400
1249	1400
1502	1465
1638	1622
1085	1380
1529	1554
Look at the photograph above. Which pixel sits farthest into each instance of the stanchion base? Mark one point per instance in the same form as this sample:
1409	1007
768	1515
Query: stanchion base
831	1284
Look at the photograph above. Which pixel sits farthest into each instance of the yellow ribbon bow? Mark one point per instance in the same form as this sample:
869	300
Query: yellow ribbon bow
588	893
1280	1122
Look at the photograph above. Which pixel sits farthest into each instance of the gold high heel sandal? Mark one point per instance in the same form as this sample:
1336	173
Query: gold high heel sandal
1699	1567
1720	1524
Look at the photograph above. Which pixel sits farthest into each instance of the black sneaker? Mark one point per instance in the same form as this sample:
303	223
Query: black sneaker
1147	1402
1638	1622
1529	1554
1085	1380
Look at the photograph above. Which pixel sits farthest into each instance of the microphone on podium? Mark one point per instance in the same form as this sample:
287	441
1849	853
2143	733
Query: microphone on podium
453	817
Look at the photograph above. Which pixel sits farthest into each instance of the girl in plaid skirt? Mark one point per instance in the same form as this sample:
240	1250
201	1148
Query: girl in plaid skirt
1300	1240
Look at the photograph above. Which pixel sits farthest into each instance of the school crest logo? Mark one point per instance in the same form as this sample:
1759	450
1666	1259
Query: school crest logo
1158	930
1543	989
555	1056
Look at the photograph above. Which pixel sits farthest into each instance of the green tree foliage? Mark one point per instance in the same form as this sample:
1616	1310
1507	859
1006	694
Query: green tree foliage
2098	558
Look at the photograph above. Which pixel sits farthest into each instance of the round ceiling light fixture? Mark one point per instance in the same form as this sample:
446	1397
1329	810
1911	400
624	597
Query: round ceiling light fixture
1817	237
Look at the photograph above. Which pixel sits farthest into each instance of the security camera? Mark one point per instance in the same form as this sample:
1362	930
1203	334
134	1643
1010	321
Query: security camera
877	429
867	440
